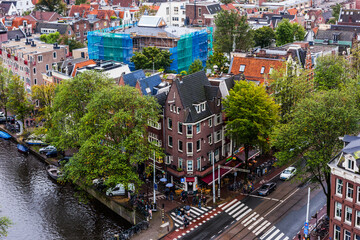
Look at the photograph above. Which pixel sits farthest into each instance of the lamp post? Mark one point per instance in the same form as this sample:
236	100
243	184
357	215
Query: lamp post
213	158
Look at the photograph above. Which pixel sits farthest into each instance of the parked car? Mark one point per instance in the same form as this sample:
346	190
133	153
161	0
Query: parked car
52	154
267	188
288	173
10	120
119	190
46	149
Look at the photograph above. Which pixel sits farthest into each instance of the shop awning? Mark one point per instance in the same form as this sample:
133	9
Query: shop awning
190	179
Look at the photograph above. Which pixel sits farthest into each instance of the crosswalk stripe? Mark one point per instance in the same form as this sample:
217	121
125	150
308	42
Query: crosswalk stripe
255	223
178	221
208	208
222	204
236	209
267	233
240	211
261	227
251	215
228	205
251	220
273	234
198	210
280	236
244	214
287	238
229	209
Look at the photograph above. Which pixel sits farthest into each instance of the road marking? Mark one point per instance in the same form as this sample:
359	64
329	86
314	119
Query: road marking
251	220
280	236
273	234
197	210
269	231
228	205
226	226
243	215
287	238
251	215
229	209
261	225
236	209
219	231
254	224
239	212
282	202
222	204
268	198
262	229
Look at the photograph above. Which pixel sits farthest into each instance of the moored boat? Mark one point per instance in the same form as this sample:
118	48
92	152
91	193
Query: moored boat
34	142
4	135
23	149
53	172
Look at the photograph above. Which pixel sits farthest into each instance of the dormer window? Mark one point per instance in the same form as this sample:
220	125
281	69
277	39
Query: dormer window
262	70
197	108
203	107
242	68
350	164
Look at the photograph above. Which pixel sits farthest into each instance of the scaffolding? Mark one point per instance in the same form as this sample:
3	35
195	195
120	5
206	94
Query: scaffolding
110	46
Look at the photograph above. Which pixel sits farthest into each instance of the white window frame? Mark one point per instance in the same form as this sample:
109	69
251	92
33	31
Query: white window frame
180	163
337	232
338	210
217	138
350	164
358	195
198	128
348	192
40	58
242	68
203	107
189	127
217	119
169	120
182	145
357	219
197	108
198	141
210	122
210	139
347	237
338	180
172	141
180	128
54	55
347	214
34	70
198	163
262	70
47	67
218	101
191	169
187	148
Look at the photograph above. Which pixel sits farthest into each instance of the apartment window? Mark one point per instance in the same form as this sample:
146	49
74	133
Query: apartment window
218	101
40	58
347	235
198	128
34	70
167	11
197	108
218	119
69	32
54	55
189	147
77	26
210	157
271	70
203	107
358	195
336	232
169	123
338	208
97	25
78	34
218	136
175	19
357	237
210	139
198	145
357	219
180	146
47	67
350	164
199	12
189	165
84	25
189	130
348	214
35	81
180	127
210	122
170	141
180	163
85	34
242	68
339	186
198	163
176	10
349	190
262	70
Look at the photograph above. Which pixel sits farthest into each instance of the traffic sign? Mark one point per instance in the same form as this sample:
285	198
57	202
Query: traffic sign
155	186
306	228
182	180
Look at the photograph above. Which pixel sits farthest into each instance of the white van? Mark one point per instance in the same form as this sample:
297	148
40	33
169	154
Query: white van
119	190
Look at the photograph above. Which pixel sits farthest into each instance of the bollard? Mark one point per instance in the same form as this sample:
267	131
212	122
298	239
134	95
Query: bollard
163	213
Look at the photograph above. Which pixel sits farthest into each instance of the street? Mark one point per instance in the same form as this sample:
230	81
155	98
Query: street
279	215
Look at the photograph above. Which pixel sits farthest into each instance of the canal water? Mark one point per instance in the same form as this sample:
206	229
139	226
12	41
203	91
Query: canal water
41	209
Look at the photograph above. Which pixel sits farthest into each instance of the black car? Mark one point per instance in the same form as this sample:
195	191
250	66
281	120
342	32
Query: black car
266	188
52	154
10	120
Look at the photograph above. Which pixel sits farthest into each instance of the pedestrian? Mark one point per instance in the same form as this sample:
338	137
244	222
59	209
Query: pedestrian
186	222
150	213
167	193
199	203
182	196
204	200
172	195
194	201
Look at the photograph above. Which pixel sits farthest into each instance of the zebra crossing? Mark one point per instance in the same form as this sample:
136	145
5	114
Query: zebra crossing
195	212
250	219
159	196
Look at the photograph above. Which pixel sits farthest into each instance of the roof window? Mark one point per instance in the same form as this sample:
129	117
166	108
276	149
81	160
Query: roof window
262	70
242	68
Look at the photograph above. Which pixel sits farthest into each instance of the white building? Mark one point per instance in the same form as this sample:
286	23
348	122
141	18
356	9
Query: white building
173	13
22	5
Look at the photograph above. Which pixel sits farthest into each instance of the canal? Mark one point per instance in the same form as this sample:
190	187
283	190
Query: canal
40	208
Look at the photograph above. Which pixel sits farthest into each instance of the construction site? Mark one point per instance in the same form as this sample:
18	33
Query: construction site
185	44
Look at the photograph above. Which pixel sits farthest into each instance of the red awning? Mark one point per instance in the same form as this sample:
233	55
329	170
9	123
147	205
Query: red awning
190	179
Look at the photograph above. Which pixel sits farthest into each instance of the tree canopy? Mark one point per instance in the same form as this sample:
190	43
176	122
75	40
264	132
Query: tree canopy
232	32
251	115
287	32
314	132
5	78
44	94
220	60
195	66
51	6
152	57
264	36
336	11
66	40
5	223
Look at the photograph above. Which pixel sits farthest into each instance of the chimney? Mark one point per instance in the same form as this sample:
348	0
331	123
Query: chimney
27	42
33	44
17	39
56	46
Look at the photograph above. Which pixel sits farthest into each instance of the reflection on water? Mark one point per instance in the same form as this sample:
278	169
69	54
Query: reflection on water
43	209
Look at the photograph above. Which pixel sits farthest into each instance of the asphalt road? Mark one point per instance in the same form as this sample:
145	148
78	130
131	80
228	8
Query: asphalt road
283	212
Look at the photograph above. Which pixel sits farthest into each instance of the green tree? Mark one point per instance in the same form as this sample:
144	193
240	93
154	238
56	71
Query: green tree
287	32
5	223
50	38
195	66
72	42
331	72
336	11
226	2
18	101
5	78
152	57
232	32
70	105
114	137
220	60
288	88
251	115
51	6
314	133
44	94
26	13
78	2
264	36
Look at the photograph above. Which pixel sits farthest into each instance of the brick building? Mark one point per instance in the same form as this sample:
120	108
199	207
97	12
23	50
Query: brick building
201	13
345	191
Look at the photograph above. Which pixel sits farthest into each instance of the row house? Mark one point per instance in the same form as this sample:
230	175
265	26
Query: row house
29	59
14	23
46	28
8	9
345	191
38	16
173	13
22	5
201	13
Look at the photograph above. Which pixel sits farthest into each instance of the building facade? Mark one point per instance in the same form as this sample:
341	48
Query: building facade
173	13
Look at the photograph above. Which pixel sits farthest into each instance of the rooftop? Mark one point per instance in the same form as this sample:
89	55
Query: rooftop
21	46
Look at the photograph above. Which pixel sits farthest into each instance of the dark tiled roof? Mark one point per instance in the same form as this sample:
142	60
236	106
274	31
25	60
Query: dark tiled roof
131	78
5	7
346	28
147	84
3	29
214	8
349	16
161	98
328	34
327	15
230	83
60	27
12	34
211	92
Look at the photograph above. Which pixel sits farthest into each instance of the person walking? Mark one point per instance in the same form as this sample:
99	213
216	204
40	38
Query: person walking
204	200
199	203
150	213
172	195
